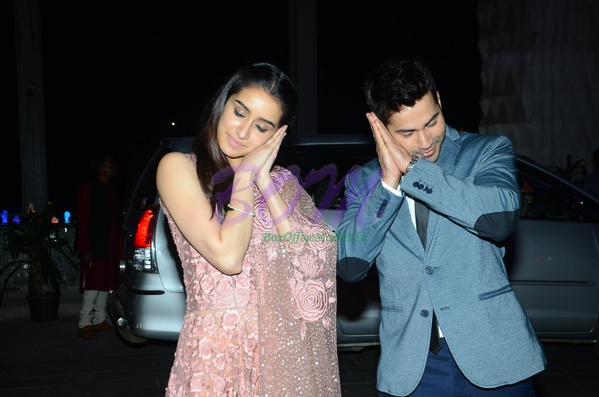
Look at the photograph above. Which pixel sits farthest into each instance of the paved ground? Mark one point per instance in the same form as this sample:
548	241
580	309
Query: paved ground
47	359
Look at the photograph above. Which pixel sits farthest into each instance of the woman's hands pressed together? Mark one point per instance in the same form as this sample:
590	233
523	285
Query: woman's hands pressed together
259	163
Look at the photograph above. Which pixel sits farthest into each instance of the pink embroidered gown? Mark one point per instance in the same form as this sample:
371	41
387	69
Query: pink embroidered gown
270	330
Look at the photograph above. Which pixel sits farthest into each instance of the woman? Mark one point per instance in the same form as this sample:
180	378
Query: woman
260	318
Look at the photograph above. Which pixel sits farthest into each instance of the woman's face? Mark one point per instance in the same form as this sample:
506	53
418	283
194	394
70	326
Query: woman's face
249	118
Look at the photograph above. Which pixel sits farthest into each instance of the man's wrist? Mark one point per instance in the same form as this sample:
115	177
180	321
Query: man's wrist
393	189
391	181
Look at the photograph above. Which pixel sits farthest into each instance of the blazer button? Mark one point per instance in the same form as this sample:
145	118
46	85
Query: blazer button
382	208
416	185
428	270
424	313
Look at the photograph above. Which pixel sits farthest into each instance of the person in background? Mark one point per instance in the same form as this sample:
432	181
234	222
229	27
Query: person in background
98	246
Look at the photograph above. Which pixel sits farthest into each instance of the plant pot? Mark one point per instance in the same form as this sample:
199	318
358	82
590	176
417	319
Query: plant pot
43	308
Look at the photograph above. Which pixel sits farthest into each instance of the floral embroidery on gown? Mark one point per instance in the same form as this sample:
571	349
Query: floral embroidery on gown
269	330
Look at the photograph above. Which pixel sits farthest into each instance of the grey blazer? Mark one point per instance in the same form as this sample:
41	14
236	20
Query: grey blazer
473	195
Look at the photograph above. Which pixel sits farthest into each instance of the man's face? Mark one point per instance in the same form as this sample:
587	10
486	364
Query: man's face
419	129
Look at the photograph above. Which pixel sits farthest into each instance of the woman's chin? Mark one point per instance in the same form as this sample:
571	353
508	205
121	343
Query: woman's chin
233	157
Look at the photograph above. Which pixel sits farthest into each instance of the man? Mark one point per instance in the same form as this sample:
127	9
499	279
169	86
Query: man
98	245
434	207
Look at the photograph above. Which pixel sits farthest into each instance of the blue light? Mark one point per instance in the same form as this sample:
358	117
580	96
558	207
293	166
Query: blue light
16	220
67	217
5	217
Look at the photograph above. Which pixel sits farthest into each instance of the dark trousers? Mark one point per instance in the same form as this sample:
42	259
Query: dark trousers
443	378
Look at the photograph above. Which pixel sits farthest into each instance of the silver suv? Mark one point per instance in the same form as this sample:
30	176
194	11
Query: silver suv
552	258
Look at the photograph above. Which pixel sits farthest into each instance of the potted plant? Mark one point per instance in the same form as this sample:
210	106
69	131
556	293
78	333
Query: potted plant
31	244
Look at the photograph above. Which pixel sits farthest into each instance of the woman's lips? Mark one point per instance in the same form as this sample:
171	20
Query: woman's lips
235	143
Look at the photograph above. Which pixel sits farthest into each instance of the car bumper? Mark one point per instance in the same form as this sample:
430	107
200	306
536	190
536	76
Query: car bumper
150	314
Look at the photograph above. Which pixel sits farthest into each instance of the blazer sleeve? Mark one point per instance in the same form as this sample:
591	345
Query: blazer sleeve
487	203
371	209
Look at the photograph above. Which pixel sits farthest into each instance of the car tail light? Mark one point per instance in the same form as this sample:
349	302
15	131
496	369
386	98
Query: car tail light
142	245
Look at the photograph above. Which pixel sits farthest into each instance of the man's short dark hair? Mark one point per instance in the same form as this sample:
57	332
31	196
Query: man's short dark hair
396	83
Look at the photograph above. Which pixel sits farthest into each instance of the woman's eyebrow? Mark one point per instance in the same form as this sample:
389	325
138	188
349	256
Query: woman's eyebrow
268	122
242	105
248	110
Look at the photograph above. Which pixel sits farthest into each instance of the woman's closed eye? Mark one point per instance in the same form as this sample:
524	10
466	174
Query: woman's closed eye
261	128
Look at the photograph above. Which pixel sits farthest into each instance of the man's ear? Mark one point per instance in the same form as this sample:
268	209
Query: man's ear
439	100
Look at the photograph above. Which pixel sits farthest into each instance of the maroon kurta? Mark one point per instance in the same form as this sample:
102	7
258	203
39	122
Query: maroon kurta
102	273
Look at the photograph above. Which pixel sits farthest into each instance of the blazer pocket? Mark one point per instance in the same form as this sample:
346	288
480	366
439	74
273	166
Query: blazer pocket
394	309
496	292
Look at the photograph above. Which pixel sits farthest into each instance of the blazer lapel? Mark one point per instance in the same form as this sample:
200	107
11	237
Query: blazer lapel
405	231
447	157
402	228
449	149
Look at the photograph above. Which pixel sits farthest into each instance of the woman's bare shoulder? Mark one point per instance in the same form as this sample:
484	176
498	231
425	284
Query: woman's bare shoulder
176	162
175	166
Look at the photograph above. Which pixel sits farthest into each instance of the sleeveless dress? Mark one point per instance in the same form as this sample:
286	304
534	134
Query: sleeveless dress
271	329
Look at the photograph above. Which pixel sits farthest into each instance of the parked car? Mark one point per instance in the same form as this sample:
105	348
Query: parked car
552	258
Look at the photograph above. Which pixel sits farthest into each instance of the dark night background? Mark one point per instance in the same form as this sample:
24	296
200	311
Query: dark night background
116	74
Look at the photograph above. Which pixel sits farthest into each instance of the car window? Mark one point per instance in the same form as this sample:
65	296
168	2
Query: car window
546	197
145	193
321	169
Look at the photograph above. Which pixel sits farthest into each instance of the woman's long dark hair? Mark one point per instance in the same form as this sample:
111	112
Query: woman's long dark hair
212	167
